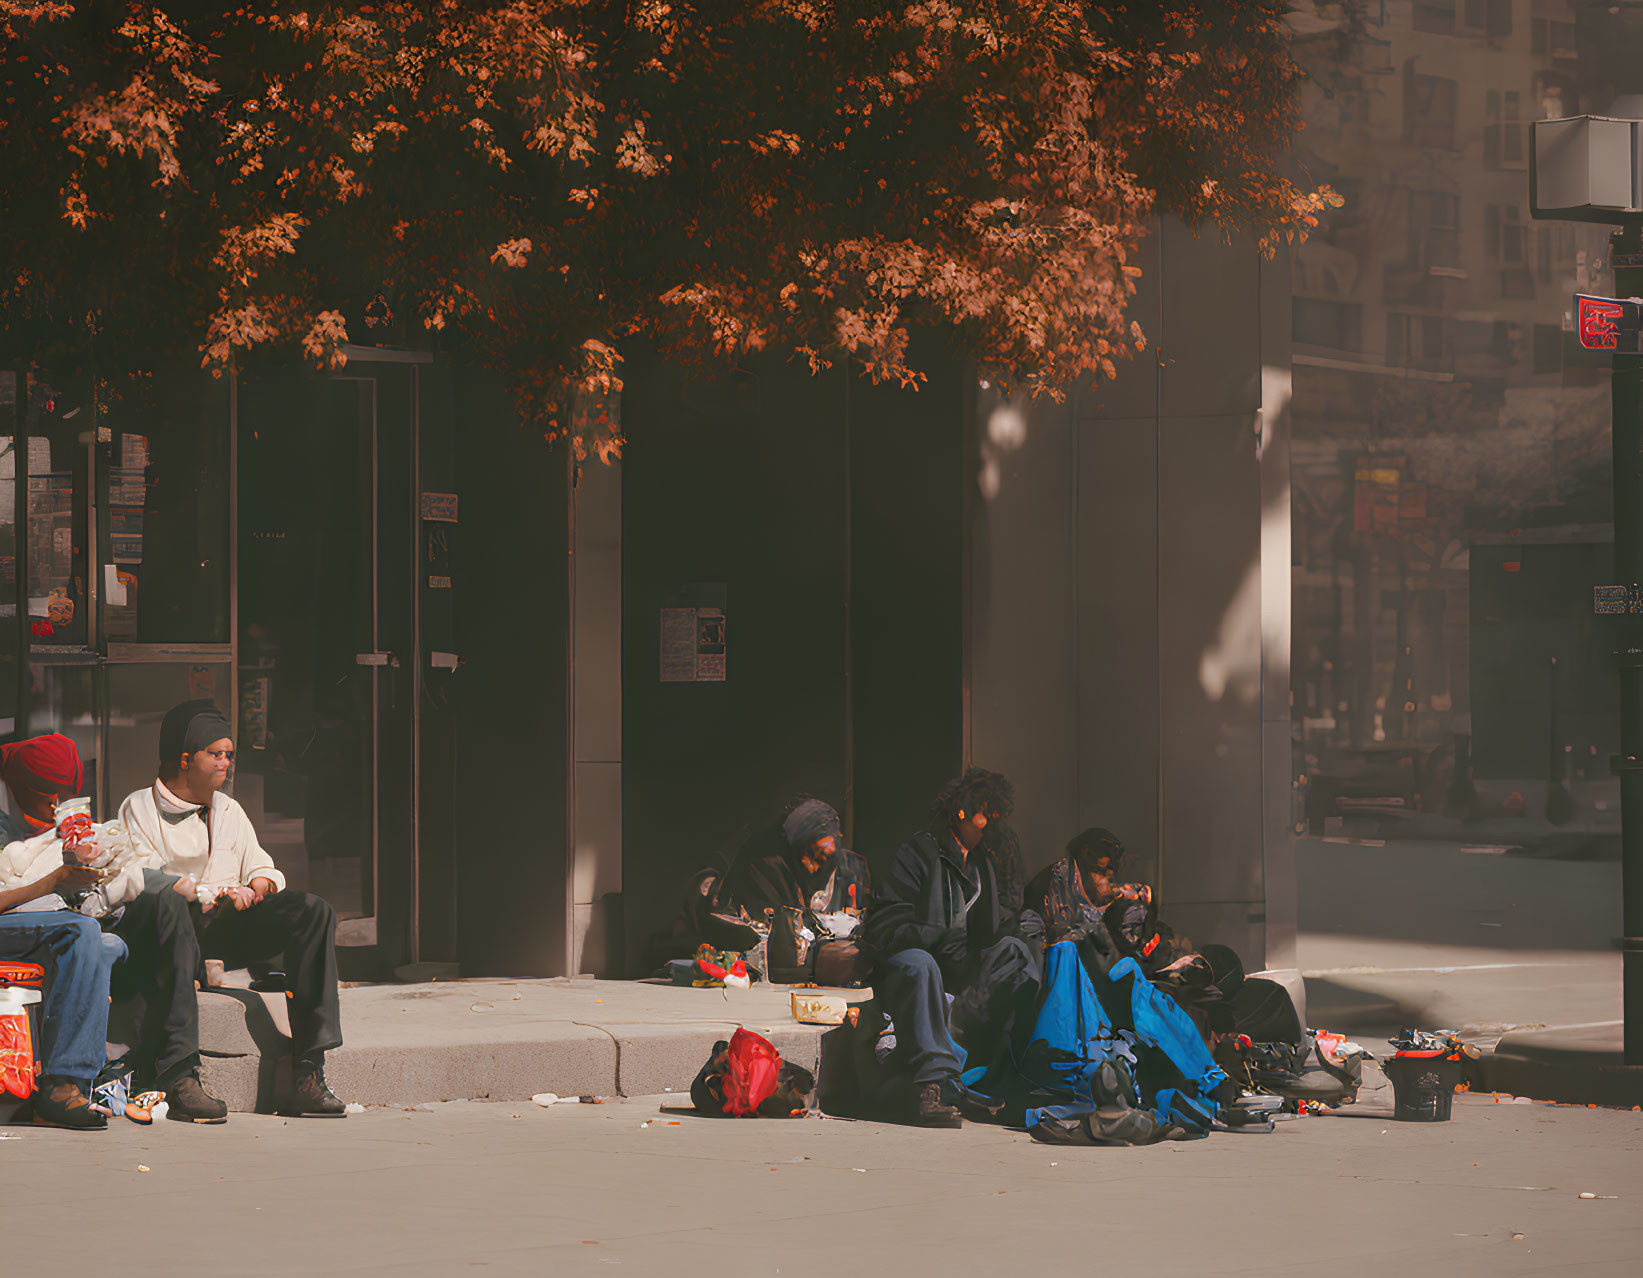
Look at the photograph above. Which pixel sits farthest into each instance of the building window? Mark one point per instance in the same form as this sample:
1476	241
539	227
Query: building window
1323	323
1504	130
1429	111
1511	235
1417	341
1434	229
1548	348
1554	38
1504	236
1435	15
1483	339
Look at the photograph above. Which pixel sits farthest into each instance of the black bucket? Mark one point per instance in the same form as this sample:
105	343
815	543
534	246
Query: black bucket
1423	1087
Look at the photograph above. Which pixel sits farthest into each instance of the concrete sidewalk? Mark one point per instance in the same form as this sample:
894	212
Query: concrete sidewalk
497	1039
1576	1064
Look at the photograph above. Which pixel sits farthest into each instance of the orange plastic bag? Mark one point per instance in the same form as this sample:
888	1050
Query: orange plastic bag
19	987
750	1074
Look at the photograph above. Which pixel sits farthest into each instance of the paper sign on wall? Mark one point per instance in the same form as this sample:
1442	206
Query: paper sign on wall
439	507
693	645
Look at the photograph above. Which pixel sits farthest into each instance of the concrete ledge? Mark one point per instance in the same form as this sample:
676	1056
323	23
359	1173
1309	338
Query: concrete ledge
491	1040
508	1040
1584	1065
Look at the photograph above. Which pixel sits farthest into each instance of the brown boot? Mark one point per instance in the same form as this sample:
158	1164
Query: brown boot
928	1110
311	1098
60	1103
188	1102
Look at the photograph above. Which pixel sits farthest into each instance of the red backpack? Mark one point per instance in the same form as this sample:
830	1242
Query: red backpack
751	1069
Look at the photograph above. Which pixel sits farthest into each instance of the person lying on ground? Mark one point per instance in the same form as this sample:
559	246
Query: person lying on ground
796	874
37	926
223	898
938	921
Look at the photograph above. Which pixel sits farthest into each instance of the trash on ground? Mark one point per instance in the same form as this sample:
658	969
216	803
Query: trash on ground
142	1167
481	1007
353	1107
811	1008
1426	1070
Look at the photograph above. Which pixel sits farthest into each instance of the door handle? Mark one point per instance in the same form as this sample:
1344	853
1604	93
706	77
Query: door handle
376	659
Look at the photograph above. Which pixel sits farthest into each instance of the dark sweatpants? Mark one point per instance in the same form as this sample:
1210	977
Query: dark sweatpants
913	996
168	937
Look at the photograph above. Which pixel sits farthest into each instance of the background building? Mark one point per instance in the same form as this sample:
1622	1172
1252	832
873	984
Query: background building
1451	442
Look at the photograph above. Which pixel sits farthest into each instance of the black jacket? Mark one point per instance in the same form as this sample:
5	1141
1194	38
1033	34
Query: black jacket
918	904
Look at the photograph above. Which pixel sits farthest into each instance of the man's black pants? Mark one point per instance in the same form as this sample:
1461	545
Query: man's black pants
303	929
168	938
158	979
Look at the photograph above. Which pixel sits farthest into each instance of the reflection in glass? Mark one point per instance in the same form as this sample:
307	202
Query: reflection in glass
1450	459
64	699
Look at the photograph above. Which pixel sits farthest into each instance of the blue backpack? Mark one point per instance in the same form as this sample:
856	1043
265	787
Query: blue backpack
1075	1079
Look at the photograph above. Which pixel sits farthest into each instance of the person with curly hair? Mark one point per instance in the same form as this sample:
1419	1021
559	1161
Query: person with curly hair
940	921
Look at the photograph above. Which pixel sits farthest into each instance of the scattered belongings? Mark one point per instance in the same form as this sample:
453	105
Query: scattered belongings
1323	1070
711	968
747	1078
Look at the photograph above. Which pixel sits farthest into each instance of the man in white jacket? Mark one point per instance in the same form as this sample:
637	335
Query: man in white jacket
238	909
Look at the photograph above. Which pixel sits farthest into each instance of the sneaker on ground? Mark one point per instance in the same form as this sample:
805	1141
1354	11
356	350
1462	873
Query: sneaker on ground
140	1108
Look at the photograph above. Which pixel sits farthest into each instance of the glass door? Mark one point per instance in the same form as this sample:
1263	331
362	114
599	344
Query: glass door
326	642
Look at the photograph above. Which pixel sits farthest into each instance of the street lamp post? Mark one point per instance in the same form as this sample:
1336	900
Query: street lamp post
1590	169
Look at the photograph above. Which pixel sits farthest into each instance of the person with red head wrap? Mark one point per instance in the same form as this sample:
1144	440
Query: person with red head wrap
37	926
40	773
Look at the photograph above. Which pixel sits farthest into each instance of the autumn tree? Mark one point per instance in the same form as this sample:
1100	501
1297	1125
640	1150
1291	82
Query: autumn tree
547	179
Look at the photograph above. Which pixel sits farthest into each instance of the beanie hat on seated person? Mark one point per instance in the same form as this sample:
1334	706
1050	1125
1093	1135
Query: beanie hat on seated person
190	727
41	772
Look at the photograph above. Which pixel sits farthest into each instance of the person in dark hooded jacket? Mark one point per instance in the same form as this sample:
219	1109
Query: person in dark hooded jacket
799	862
940	923
797	874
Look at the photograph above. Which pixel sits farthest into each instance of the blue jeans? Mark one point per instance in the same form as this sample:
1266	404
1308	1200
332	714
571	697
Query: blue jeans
928	1039
910	991
78	957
